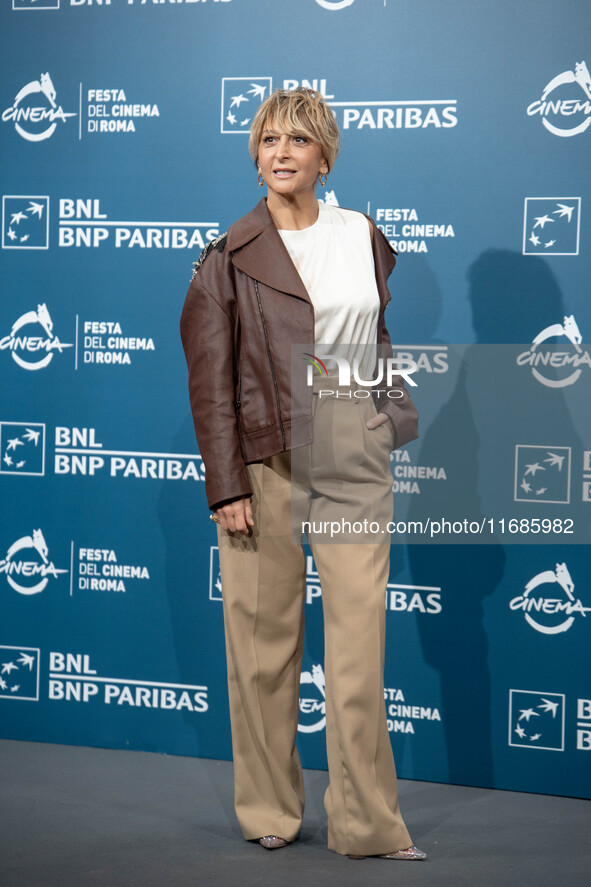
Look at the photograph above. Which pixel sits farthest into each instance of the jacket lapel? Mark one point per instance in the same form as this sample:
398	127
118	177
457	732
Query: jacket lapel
258	250
384	261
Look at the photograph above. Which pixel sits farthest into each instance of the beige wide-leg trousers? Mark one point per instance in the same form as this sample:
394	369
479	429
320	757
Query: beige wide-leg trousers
264	582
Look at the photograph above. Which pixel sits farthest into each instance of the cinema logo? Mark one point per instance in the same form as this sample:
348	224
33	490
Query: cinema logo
335	5
29	351
312	700
545	610
72	679
82	224
35	112
27	566
564	111
569	363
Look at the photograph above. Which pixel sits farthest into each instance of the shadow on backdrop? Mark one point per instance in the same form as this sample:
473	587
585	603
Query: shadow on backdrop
512	297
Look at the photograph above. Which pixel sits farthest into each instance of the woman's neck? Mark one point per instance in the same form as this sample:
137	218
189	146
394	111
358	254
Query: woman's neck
293	213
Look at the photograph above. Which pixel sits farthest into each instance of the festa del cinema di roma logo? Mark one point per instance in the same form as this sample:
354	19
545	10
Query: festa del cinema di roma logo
29	574
312	706
561	106
550	614
35	112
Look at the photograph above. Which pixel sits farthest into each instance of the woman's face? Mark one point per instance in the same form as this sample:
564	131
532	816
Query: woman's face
289	163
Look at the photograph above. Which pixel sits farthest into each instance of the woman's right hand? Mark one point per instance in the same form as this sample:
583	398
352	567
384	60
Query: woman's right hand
236	517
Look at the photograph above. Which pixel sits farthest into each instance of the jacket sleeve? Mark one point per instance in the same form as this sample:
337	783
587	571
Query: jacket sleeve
400	409
207	333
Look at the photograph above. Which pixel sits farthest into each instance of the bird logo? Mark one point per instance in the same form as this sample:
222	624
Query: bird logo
536	719
551	226
542	473
25	222
19	673
22	448
241	97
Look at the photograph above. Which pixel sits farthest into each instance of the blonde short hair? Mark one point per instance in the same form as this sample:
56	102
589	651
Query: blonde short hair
301	111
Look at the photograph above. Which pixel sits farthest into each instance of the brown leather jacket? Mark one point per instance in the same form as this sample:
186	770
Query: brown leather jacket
246	306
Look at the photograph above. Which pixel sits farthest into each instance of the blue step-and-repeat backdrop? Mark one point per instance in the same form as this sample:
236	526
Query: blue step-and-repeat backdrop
466	133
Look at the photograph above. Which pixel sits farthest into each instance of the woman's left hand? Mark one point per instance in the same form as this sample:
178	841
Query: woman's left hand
377	420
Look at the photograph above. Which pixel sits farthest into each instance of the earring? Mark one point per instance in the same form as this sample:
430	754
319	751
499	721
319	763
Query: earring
325	176
261	180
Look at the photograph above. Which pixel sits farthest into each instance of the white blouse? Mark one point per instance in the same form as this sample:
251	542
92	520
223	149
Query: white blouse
334	259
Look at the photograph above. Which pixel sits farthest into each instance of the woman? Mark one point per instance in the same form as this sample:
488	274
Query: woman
294	272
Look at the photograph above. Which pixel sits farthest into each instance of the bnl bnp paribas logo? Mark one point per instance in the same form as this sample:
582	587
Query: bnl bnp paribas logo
565	103
242	96
27	565
35	111
548	602
557	365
